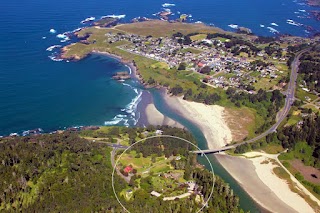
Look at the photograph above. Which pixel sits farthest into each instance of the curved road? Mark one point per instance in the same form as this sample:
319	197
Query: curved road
281	115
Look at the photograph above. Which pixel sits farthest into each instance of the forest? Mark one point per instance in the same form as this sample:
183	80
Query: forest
309	69
267	104
66	173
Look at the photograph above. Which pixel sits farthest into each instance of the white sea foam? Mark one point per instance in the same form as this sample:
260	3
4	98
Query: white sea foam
130	109
64	37
130	71
198	22
132	106
114	121
291	22
77	30
167	10
261	25
303	11
234	26
296	12
168	5
272	30
44	37
274	24
52	31
114	16
89	19
54	58
53	47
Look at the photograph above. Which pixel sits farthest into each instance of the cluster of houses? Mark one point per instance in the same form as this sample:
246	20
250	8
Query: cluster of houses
197	55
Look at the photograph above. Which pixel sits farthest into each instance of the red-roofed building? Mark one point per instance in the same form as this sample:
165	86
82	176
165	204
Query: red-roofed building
200	64
128	169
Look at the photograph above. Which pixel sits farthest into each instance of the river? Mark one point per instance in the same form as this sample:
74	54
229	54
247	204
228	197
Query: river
246	202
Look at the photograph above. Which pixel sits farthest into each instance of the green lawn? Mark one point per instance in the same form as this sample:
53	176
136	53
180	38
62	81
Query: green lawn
294	119
301	94
191	50
198	37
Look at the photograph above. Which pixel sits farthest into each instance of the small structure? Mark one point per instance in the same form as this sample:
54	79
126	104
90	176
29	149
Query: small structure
154	193
159	132
128	169
191	185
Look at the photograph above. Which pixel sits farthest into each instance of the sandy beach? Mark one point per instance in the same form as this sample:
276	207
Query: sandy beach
256	176
154	117
149	115
209	118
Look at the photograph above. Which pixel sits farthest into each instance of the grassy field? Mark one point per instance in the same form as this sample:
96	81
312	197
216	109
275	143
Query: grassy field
301	94
294	119
191	50
298	175
198	37
157	28
243	122
272	148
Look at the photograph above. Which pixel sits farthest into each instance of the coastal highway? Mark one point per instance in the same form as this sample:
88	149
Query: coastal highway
281	115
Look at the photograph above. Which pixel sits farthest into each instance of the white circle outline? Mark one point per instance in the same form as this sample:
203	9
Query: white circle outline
162	136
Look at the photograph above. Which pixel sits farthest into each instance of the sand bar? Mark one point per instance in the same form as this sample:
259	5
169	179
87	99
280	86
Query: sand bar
258	179
209	118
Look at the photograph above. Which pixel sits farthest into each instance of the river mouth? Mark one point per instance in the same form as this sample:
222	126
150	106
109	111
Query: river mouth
246	202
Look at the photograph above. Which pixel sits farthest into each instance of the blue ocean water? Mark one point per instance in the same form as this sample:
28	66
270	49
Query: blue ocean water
38	92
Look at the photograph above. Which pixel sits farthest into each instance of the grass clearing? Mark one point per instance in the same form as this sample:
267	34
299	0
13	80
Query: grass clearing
242	121
160	65
191	50
272	148
165	28
294	119
198	37
302	95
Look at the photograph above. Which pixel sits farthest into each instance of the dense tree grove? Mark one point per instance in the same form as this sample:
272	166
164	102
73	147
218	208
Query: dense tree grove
307	131
65	173
267	104
55	173
309	69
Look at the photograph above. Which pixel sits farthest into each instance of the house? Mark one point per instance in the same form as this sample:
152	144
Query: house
128	169
159	132
191	185
200	64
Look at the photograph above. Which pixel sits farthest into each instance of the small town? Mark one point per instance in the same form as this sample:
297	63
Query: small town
222	66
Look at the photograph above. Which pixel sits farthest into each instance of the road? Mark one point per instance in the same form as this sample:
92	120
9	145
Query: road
281	115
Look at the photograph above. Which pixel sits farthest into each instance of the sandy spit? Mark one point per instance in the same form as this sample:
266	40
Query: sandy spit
209	118
256	176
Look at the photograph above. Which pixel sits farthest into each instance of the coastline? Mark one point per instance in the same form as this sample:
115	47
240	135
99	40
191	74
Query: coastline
208	118
257	178
149	115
